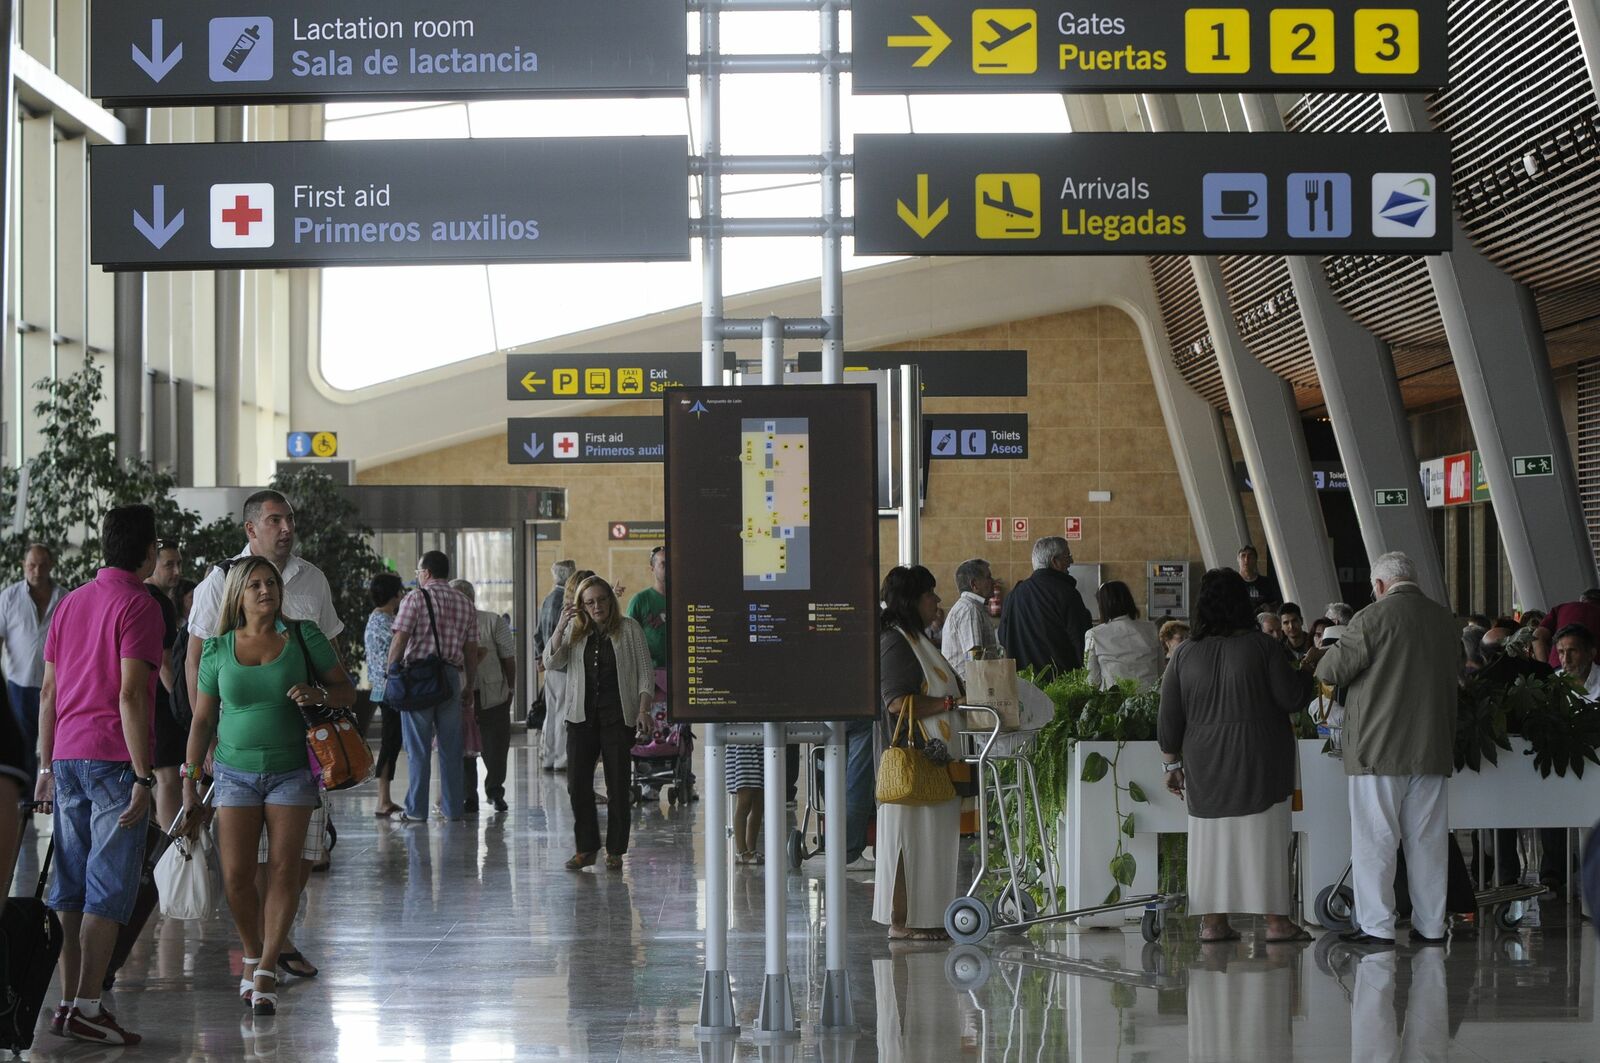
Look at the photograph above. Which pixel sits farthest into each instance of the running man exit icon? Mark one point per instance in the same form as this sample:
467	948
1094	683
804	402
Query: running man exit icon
1008	206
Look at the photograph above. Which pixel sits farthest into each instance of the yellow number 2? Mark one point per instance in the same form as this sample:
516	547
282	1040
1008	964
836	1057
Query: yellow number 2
1387	41
1302	40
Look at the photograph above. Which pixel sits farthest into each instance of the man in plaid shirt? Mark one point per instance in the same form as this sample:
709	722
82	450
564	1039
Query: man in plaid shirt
457	622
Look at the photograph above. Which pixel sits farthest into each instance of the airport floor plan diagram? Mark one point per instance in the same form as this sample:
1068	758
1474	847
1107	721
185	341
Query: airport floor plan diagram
777	503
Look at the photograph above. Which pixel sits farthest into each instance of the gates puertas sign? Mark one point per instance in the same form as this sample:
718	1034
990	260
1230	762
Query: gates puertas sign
394	202
1148	46
565	377
1152	194
165	52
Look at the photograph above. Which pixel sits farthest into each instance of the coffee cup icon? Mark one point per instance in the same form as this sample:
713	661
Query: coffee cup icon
1238	203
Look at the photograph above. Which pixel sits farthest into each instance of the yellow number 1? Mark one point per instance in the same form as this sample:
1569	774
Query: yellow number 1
1216	40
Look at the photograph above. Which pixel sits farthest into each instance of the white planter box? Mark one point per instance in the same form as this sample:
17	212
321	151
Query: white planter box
1510	794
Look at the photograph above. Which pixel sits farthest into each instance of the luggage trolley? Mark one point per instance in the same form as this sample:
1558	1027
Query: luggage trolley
969	918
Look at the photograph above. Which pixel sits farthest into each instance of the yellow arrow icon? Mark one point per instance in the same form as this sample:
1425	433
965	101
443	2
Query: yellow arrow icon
922	223
530	383
934	43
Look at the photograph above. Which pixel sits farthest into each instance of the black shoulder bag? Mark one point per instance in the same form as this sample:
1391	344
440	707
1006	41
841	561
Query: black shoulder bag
423	682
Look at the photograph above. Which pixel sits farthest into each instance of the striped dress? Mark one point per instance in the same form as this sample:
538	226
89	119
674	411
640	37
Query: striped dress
743	768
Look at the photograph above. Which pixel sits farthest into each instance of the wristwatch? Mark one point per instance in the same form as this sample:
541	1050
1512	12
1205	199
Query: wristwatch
148	783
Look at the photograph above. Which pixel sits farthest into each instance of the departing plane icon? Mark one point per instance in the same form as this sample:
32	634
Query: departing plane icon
1004	35
1006	202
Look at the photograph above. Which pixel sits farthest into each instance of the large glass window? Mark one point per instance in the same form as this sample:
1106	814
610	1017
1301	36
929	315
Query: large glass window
382	324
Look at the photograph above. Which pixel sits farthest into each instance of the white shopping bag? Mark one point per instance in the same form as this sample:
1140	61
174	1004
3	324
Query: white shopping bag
184	878
1037	708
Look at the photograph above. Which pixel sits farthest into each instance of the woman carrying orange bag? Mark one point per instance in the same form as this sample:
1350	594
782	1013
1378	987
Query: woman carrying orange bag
918	845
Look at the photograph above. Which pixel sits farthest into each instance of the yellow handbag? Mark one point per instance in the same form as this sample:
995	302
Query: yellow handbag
905	776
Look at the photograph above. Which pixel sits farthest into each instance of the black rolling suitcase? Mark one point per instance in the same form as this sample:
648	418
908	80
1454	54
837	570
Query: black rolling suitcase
155	843
30	944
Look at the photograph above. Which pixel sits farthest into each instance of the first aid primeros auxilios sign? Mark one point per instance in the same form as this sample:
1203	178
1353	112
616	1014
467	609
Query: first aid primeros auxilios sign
276	204
165	52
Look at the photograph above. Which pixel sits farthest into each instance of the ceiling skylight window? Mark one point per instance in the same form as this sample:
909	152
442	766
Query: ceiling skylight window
380	324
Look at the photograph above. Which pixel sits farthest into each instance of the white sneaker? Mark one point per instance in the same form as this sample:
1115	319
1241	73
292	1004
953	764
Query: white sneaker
863	862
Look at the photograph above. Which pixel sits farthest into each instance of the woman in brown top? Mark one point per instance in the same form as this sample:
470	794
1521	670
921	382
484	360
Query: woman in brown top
1226	702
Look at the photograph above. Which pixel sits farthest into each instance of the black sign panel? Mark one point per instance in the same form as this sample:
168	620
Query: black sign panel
773	509
583	440
976	436
389	202
1153	194
166	52
945	374
1148	46
565	377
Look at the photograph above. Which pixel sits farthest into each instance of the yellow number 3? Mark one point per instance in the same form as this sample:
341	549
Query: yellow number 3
1387	41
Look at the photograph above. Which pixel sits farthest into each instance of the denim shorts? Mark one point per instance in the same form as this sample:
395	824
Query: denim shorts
97	862
250	789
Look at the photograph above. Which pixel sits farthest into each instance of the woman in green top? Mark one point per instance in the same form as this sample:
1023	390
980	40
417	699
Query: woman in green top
265	669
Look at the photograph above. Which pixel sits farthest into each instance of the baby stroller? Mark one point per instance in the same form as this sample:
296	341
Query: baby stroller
665	761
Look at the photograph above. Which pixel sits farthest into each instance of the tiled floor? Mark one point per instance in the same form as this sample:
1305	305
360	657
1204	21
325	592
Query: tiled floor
470	942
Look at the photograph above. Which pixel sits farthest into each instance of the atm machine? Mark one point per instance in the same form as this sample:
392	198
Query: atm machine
1167	590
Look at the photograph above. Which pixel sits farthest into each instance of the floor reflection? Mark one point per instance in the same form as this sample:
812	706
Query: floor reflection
471	942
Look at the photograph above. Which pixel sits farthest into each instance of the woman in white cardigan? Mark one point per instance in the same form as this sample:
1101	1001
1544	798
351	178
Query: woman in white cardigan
1122	646
609	685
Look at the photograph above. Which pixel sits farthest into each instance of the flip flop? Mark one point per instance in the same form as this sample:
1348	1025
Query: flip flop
385	813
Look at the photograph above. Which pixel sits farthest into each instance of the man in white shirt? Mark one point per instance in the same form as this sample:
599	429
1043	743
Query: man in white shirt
493	679
25	611
1574	647
269	529
968	626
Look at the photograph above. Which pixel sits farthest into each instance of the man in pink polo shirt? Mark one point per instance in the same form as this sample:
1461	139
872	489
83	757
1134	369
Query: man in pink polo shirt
96	737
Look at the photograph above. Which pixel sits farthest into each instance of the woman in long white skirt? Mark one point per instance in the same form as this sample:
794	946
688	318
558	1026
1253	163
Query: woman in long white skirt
918	846
1227	701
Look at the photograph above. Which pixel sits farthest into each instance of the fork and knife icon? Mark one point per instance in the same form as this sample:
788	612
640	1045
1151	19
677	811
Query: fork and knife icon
1319	190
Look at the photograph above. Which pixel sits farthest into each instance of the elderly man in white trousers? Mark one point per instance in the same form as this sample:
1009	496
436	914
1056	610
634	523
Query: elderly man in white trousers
1397	663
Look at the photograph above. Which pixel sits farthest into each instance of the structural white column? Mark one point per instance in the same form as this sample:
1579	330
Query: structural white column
1270	432
1362	394
1497	345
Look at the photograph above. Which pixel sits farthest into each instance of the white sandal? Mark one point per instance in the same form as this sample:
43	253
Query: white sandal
248	985
262	1002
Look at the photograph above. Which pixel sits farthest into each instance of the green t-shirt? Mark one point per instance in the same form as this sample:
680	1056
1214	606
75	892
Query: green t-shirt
261	729
649	607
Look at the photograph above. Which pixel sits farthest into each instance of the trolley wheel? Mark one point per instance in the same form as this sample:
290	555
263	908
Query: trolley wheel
1153	924
1509	916
797	849
1009	910
968	920
1153	957
1336	908
967	967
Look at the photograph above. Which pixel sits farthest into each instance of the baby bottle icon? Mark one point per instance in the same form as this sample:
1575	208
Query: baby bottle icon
242	48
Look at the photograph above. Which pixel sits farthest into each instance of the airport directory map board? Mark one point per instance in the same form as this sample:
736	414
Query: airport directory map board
772	508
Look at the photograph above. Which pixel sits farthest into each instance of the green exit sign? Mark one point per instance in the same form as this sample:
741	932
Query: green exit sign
1534	465
1393	496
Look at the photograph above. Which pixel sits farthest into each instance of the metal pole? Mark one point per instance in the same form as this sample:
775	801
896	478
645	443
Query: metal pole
716	988
910	464
228	349
838	1011
832	240
776	1021
771	351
